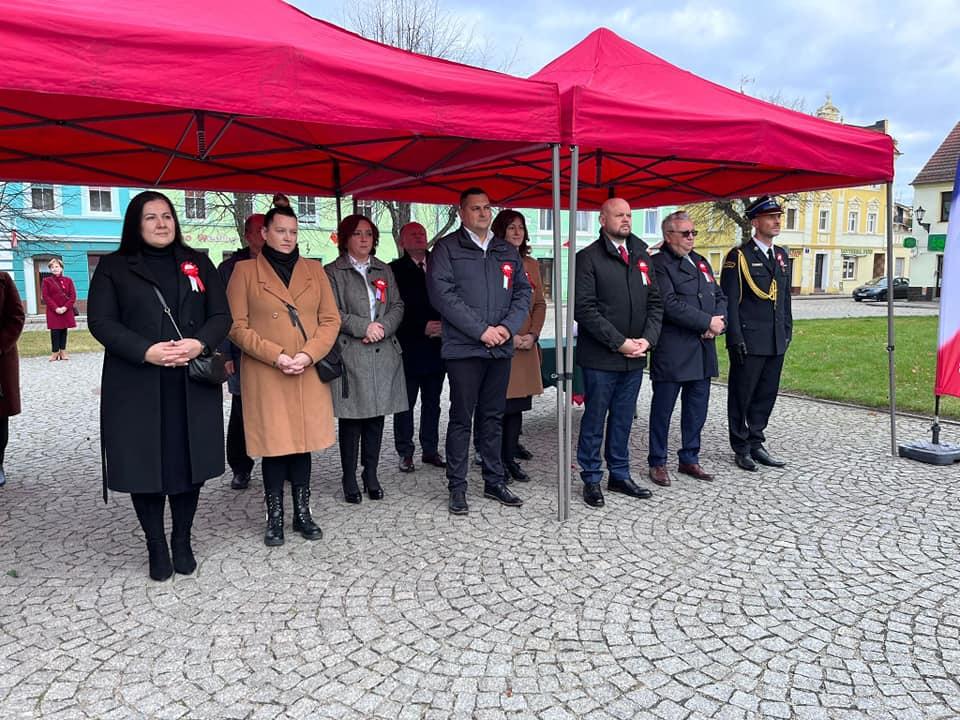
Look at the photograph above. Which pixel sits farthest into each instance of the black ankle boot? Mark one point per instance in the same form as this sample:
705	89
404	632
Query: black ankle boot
159	555
302	521
183	560
351	493
274	534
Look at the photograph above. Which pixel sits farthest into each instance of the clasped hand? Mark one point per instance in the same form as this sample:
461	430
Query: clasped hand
494	336
293	365
173	353
635	347
375	333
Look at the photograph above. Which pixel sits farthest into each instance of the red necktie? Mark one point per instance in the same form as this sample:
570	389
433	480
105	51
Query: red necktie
623	254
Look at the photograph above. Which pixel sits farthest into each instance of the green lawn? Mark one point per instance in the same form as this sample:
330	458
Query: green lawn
846	360
843	360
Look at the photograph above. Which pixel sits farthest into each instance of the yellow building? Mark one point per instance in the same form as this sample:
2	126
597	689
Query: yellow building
836	238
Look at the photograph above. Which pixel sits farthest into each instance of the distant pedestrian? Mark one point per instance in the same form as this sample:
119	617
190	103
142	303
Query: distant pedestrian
756	281
60	298
12	317
694	309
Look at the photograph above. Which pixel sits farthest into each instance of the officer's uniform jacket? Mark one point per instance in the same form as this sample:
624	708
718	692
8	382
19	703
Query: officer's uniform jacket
764	325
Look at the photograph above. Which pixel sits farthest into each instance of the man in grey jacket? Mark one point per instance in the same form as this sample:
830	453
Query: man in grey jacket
477	283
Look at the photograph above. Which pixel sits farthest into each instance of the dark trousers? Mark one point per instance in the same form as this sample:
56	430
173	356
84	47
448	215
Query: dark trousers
149	508
4	436
237	457
360	437
751	393
611	401
294	468
429	387
512	424
694	400
477	385
58	340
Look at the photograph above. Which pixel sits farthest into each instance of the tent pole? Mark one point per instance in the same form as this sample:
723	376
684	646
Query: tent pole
571	298
563	506
890	331
338	191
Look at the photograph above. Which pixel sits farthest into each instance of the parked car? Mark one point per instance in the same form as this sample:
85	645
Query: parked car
876	289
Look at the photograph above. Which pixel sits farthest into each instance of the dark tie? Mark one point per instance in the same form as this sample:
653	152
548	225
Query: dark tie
623	254
422	265
770	255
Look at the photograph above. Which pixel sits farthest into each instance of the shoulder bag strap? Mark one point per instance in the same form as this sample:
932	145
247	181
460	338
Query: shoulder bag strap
166	309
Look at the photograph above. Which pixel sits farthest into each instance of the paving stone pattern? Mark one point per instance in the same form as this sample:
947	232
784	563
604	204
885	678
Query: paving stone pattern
829	589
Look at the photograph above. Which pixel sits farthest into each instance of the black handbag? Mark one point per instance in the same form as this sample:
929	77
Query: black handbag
210	369
330	366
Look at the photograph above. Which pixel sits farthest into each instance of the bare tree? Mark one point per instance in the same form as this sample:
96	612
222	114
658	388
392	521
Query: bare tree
28	212
425	27
230	207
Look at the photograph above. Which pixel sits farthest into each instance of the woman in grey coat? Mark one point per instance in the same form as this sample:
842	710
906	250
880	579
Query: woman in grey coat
372	384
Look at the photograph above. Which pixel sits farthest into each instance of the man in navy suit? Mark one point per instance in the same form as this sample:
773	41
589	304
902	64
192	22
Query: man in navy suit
419	336
694	313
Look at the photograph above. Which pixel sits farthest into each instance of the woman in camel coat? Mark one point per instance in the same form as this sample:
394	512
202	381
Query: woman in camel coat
525	379
287	410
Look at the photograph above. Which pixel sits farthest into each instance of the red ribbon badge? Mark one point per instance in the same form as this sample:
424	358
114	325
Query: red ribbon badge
783	265
507	270
380	288
193	274
706	271
644	271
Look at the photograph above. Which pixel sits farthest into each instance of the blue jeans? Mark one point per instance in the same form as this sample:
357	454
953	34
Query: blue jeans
611	400
694	401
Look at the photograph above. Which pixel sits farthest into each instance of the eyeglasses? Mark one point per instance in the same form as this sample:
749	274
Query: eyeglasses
685	233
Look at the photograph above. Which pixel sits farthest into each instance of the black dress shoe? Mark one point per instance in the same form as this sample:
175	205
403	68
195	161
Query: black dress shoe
593	495
501	493
406	464
158	553
240	481
745	462
373	489
351	493
434	459
764	458
521	453
628	487
458	502
516	472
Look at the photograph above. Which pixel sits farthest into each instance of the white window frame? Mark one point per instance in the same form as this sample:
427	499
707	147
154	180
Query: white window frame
365	208
849	267
872	223
583	221
307	208
86	209
545	220
853	221
791	215
28	208
197	195
823	221
651	222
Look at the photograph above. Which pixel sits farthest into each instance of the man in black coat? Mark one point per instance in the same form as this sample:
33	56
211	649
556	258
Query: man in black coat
419	336
618	312
478	284
756	280
240	463
694	310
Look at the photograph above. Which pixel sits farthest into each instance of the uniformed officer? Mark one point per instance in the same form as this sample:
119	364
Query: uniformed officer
756	281
694	314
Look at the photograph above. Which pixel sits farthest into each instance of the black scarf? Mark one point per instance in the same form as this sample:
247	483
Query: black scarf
282	263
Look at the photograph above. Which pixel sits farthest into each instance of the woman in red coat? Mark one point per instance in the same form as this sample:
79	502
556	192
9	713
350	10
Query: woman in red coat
11	325
60	296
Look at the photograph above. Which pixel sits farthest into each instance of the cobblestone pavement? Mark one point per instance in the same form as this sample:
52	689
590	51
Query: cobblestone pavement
829	589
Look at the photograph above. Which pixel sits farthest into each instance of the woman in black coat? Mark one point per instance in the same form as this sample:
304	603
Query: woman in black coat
161	433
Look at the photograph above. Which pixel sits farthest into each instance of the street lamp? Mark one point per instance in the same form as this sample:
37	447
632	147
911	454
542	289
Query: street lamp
919	213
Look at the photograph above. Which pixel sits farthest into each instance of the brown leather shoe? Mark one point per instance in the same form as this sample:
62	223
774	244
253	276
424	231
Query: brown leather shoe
695	471
659	476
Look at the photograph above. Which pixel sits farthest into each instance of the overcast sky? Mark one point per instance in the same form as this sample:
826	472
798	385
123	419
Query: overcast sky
893	60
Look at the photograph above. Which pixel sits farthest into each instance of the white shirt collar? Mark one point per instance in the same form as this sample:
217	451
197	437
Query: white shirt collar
763	248
357	264
482	244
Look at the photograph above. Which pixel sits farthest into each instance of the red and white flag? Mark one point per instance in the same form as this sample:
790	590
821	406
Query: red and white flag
948	345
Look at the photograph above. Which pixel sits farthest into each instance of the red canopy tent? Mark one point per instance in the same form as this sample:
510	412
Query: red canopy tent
251	96
655	134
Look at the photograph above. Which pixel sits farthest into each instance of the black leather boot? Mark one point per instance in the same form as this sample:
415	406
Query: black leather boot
159	555
274	534
302	521
183	560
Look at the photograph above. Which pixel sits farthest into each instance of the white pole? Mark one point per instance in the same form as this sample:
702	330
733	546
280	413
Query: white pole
562	507
890	331
571	298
